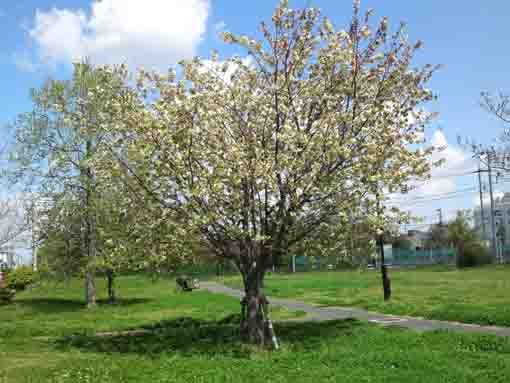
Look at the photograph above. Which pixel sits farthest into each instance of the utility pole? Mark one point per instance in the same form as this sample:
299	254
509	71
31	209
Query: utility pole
440	211
493	220
484	230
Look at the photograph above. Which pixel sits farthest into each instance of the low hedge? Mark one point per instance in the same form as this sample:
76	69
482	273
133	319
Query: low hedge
473	255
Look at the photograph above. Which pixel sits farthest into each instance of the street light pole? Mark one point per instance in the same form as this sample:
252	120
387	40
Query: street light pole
384	269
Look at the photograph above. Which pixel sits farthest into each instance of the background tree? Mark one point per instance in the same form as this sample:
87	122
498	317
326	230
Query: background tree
402	242
438	237
495	155
55	144
470	250
255	157
132	239
497	105
501	234
59	242
459	232
14	220
348	241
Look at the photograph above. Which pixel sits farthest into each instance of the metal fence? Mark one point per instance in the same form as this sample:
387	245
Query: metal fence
301	263
395	257
404	257
220	268
504	254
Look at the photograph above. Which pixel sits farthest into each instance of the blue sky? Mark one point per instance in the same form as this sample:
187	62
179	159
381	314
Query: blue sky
470	38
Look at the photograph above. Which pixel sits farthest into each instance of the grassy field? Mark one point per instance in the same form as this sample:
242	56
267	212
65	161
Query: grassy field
480	295
47	336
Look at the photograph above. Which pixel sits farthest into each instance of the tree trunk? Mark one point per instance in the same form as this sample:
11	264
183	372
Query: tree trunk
386	283
254	310
90	239
90	275
90	289
384	272
110	275
253	328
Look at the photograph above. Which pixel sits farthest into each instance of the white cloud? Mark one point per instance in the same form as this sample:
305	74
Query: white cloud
436	187
456	162
152	33
444	178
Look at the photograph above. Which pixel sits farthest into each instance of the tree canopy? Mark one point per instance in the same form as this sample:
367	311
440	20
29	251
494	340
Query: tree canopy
255	153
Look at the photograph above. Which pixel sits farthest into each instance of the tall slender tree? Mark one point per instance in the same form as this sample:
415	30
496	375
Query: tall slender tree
55	145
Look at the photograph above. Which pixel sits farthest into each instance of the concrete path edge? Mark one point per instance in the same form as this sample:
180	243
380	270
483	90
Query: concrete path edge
320	314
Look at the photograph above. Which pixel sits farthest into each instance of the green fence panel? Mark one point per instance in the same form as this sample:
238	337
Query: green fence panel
301	263
423	257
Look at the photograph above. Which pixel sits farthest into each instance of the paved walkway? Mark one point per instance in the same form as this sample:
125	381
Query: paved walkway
319	314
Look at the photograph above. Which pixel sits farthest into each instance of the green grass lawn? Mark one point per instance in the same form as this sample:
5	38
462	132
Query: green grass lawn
480	295
47	336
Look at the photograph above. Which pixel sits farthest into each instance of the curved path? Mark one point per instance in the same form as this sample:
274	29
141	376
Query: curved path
315	313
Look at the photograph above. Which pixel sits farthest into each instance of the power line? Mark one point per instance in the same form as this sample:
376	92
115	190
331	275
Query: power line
434	197
449	213
447	176
445	194
414	203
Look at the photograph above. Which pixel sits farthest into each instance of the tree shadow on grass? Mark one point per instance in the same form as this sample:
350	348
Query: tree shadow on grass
194	337
55	305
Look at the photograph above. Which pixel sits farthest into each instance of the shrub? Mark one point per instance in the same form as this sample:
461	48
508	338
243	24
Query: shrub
473	254
20	278
402	243
6	295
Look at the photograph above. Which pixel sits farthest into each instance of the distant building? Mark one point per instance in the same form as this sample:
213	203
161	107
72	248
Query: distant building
501	216
7	256
418	238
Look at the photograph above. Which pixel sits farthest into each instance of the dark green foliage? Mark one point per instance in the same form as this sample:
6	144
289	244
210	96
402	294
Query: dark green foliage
402	243
60	254
19	279
470	251
474	254
438	237
6	295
